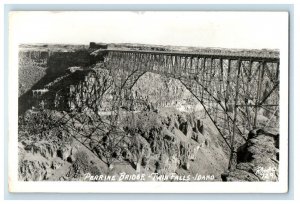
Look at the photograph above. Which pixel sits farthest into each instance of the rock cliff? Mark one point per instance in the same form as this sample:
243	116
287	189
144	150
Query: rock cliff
257	159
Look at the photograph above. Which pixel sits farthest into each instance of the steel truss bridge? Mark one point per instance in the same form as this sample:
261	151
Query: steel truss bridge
238	90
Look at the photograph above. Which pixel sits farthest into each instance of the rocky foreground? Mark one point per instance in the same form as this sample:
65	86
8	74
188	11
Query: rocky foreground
257	159
165	142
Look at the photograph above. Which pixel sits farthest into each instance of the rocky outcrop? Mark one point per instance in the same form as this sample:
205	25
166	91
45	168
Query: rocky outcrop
33	170
43	147
171	147
257	159
81	165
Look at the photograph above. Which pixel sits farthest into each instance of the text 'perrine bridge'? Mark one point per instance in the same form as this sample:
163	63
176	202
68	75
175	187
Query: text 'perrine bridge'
235	88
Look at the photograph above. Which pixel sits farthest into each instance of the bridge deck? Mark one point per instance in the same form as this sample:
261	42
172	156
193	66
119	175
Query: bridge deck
247	55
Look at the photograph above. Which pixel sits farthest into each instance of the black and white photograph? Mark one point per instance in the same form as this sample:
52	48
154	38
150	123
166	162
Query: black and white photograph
143	98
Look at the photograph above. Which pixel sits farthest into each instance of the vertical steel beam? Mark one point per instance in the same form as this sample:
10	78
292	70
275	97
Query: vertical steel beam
258	93
203	78
197	65
176	65
221	76
173	65
191	66
185	69
227	83
231	164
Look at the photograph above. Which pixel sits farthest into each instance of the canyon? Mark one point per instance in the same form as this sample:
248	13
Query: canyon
159	127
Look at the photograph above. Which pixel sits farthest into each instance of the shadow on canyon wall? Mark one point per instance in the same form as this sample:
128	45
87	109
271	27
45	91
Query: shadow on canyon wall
57	64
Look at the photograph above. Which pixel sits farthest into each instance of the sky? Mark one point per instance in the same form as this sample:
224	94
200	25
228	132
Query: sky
252	30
